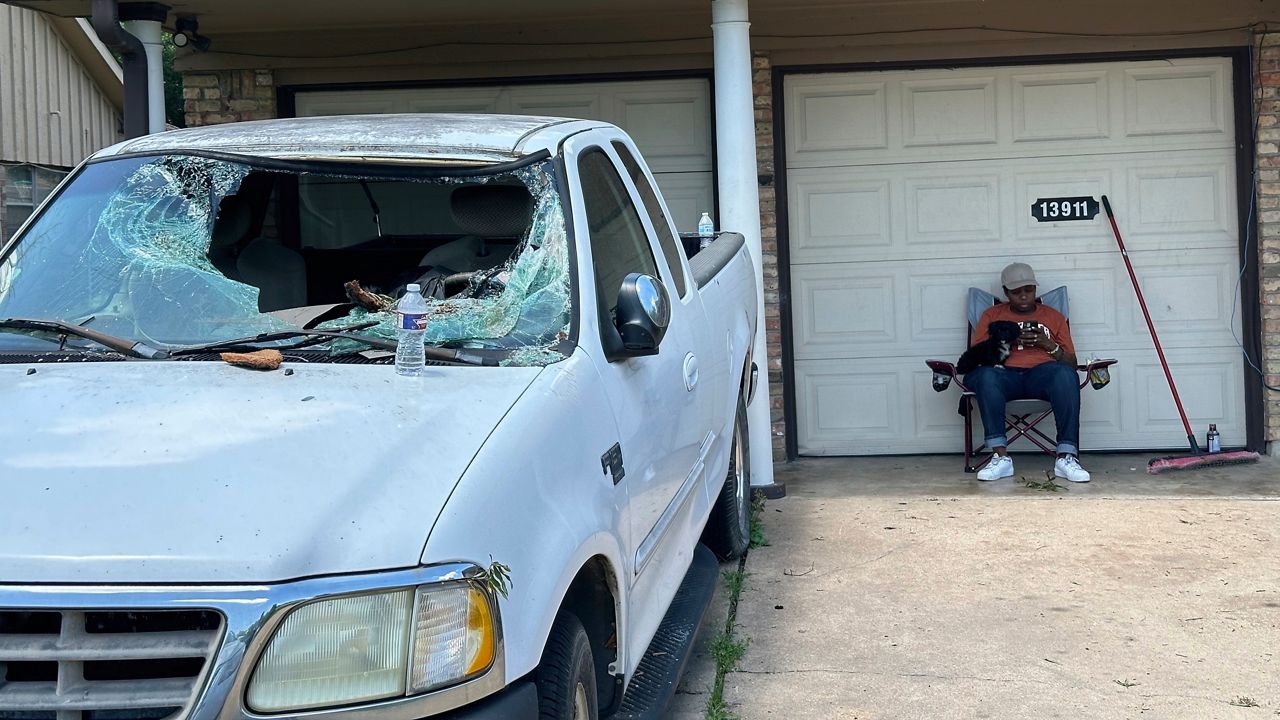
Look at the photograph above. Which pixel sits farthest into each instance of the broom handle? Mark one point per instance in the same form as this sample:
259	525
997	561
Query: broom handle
1191	438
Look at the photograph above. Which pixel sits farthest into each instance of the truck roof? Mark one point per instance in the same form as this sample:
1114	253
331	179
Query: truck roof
425	136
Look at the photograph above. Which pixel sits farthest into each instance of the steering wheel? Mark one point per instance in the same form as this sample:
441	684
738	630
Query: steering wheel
475	284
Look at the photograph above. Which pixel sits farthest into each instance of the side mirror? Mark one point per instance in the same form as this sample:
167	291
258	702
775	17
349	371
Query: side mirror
642	315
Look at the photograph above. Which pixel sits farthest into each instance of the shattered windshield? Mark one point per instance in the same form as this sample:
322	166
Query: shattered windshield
184	250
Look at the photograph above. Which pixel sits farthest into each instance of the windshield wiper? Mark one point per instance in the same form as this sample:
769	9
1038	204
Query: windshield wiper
315	337
310	337
131	348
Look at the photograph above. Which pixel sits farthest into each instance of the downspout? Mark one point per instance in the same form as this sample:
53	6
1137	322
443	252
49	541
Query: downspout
739	196
149	32
106	23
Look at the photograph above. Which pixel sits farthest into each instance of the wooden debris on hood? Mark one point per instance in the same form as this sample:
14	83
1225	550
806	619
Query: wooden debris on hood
256	360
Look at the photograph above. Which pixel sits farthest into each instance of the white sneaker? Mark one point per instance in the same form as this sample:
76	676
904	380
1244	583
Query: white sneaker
1001	466
1068	467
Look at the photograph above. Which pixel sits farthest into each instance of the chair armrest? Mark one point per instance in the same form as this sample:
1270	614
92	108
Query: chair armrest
1099	363
1096	373
942	366
943	374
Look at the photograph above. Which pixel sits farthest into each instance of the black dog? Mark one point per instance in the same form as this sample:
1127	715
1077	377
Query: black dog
1001	335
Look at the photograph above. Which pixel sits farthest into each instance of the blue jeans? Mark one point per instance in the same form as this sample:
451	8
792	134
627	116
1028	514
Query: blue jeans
1056	382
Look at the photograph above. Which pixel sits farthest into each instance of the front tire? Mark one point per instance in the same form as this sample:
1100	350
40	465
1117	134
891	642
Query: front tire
728	531
566	677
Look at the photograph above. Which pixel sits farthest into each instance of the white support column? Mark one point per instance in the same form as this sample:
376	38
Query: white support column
148	31
739	194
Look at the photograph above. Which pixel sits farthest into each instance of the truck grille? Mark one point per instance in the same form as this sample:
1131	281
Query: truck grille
103	665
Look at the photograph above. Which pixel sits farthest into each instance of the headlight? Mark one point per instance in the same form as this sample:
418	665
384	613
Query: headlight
371	647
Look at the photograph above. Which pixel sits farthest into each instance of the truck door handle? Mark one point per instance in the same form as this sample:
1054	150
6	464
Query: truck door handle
690	372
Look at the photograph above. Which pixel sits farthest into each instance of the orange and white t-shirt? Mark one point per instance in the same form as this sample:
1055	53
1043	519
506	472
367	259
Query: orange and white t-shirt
1054	324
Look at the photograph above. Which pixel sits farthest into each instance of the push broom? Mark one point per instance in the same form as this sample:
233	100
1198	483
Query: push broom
1197	458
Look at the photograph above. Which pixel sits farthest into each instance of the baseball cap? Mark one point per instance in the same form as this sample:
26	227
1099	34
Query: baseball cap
1017	275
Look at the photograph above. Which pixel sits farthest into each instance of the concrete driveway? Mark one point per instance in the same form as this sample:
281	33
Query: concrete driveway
901	588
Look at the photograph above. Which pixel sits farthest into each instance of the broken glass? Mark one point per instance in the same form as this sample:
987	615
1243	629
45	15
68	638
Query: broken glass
125	249
530	315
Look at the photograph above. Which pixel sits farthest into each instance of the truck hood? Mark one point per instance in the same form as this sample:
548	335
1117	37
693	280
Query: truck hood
142	472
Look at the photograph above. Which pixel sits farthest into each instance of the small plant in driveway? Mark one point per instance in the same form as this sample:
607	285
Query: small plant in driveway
1048	483
757	528
725	649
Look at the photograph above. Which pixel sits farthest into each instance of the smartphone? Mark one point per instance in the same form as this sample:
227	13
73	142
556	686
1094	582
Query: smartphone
1028	326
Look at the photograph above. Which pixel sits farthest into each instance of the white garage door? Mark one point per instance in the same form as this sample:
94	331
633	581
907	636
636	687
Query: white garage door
905	188
670	120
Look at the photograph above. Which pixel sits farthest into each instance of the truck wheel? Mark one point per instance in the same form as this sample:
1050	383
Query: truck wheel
566	677
728	529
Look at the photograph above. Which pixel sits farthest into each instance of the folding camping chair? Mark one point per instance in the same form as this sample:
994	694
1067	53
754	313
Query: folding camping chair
1021	416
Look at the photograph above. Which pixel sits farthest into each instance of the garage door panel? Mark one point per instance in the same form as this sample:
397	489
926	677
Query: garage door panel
1190	297
843	312
836	116
938	307
1103	411
953	209
649	117
688	195
1186	99
843	408
454	100
1189	198
949	112
1060	106
837	217
356	104
1210	385
557	102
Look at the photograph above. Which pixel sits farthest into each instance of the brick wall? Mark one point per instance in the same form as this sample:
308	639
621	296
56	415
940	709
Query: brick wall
210	98
762	90
1268	155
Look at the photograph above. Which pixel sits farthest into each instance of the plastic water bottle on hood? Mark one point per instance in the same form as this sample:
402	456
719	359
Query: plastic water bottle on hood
411	330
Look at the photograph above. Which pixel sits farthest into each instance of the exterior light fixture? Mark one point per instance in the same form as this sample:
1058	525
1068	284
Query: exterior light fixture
186	33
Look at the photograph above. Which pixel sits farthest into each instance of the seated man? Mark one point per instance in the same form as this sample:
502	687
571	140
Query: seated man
1042	366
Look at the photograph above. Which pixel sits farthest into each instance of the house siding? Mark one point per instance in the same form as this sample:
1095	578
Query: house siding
54	113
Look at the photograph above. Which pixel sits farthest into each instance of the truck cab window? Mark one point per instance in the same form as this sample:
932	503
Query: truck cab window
618	240
661	225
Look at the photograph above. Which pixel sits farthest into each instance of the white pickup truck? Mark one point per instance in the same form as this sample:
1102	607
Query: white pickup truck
195	526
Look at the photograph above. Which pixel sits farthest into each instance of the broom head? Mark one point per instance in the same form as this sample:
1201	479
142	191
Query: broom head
1190	462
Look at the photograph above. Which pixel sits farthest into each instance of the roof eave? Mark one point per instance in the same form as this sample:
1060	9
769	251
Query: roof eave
93	56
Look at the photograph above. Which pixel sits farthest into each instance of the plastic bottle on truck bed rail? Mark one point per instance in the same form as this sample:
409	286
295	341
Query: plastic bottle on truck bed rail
706	231
411	316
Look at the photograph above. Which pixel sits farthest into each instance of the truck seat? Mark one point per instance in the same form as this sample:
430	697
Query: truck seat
482	212
279	273
229	231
